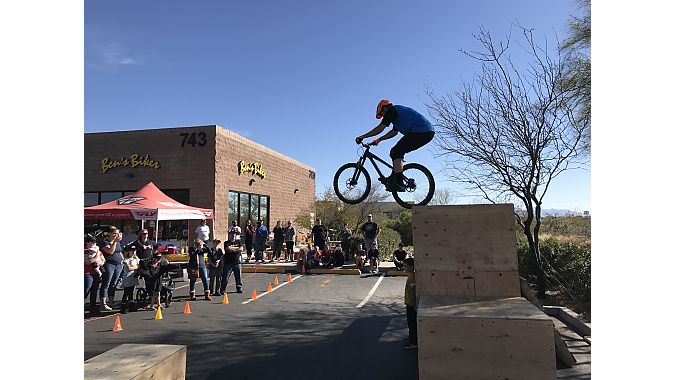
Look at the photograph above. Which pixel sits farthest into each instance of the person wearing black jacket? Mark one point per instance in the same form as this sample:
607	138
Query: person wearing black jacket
215	259
197	268
278	241
232	263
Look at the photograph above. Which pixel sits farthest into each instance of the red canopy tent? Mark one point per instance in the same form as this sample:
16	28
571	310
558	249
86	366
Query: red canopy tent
149	203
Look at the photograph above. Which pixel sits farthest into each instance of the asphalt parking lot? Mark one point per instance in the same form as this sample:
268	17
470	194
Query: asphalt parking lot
317	326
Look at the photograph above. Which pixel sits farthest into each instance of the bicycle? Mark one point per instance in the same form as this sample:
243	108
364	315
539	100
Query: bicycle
352	183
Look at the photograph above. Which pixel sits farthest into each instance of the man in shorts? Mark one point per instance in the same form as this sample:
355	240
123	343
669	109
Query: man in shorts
370	230
417	131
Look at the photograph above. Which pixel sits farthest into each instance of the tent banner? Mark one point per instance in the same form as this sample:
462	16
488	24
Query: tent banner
165	214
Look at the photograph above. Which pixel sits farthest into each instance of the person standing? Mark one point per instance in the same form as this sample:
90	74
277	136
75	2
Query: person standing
345	235
215	260
203	232
112	252
410	300
92	273
398	257
261	237
232	261
249	232
278	241
370	230
197	269
319	233
236	232
129	279
289	238
128	236
144	246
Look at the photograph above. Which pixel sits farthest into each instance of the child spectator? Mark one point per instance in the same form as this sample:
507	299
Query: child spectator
129	279
360	259
373	256
215	261
91	255
411	303
157	267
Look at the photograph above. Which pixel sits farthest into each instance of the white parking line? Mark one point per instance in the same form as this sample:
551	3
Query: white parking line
273	289
373	290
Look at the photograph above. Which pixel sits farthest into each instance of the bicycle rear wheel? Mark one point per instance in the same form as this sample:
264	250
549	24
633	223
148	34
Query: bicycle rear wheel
352	183
419	186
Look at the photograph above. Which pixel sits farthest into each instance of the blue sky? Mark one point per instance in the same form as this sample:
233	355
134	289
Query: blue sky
301	77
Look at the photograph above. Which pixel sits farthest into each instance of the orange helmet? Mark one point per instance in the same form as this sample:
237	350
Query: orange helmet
380	107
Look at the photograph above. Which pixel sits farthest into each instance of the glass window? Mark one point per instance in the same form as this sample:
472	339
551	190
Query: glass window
110	196
255	203
264	210
244	209
91	199
179	195
233	207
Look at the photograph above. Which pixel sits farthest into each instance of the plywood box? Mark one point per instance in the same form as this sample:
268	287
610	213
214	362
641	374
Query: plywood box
506	338
138	362
465	237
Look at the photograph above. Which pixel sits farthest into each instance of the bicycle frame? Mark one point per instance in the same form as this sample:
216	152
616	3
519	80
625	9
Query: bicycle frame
372	157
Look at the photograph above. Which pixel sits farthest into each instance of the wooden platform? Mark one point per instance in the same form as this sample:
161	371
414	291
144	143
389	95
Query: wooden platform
138	362
494	339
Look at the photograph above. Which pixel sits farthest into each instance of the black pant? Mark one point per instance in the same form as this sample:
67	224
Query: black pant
128	294
411	316
409	143
91	289
248	243
399	265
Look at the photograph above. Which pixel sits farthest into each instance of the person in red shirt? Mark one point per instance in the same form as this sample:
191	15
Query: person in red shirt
249	232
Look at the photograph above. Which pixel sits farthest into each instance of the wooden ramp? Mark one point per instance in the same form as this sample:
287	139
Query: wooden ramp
472	321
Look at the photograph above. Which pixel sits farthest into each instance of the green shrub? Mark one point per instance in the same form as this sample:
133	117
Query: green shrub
567	268
388	242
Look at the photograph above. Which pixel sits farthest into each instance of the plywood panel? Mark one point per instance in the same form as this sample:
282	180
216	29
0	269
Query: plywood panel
494	339
453	238
138	362
480	348
498	284
452	284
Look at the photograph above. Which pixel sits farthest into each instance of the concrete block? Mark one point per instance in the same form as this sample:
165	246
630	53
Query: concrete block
138	362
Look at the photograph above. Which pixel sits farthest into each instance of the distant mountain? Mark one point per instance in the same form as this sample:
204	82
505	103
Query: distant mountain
560	212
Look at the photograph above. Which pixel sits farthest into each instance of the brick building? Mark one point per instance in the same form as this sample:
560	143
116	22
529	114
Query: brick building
204	166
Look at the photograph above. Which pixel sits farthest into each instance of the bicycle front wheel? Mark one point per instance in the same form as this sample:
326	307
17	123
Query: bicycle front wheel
419	186
352	183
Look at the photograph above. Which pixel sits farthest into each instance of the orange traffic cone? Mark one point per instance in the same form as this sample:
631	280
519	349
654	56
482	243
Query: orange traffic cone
288	278
225	299
117	326
269	286
186	310
158	314
253	294
302	269
276	282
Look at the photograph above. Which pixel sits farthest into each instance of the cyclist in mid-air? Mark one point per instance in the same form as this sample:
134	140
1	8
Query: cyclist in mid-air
417	131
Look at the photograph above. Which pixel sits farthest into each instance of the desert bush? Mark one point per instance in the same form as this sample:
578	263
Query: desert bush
567	267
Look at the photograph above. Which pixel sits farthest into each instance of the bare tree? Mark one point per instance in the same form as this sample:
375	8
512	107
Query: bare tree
508	133
442	196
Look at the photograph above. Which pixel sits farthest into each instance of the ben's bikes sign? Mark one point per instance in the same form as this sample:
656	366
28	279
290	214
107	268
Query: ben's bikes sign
134	160
254	168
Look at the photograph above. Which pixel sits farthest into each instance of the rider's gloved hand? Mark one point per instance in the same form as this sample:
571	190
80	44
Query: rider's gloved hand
375	142
358	140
